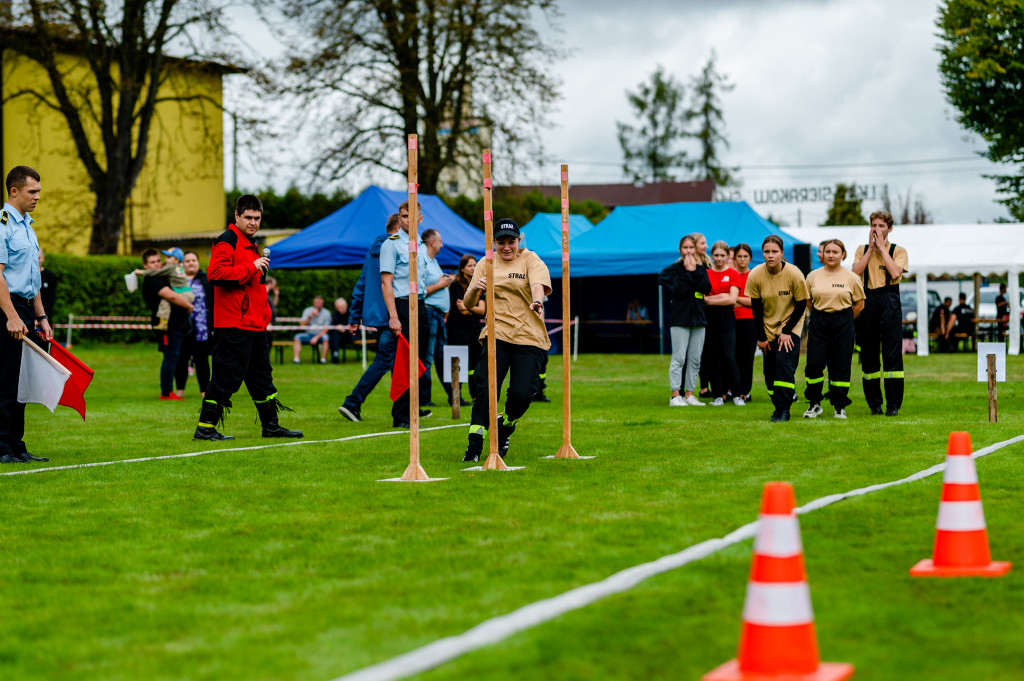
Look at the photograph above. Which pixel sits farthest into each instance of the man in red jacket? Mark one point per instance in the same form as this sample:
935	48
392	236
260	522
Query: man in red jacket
240	317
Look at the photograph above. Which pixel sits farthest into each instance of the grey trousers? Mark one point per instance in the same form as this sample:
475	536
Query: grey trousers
687	345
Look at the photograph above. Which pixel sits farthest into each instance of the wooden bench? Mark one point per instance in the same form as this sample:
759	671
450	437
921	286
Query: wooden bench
956	338
279	346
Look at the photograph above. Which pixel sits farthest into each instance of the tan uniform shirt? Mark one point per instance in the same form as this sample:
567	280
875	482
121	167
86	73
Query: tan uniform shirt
514	321
782	295
875	268
834	291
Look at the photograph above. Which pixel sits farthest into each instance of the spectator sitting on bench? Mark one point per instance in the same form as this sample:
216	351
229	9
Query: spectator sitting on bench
941	324
318	320
962	317
339	334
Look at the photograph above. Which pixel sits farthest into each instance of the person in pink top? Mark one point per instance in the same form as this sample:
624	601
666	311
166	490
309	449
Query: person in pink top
721	340
746	335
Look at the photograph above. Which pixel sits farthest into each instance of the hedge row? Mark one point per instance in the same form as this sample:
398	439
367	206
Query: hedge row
94	285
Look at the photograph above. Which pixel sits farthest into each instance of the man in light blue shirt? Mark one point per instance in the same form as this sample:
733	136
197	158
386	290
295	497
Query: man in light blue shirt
438	304
21	307
394	281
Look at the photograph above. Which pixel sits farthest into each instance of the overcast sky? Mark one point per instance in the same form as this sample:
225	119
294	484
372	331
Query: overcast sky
838	84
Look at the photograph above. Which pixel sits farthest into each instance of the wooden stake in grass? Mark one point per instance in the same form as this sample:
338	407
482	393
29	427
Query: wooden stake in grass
993	416
494	461
566	451
415	471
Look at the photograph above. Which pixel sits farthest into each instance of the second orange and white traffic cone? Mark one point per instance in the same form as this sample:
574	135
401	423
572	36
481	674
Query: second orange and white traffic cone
777	641
961	537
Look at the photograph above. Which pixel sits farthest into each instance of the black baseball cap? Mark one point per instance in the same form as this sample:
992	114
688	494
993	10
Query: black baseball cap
506	227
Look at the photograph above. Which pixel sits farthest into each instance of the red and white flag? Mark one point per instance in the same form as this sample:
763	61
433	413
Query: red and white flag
81	376
42	378
400	371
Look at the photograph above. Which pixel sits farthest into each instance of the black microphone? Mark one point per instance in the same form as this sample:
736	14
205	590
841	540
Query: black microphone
263	276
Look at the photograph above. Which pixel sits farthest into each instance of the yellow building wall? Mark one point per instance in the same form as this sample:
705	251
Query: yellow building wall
181	186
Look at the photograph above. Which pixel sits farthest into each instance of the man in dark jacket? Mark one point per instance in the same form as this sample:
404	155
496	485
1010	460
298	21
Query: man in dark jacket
241	314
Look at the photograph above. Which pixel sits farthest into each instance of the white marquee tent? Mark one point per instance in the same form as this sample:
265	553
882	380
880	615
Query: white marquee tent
958	251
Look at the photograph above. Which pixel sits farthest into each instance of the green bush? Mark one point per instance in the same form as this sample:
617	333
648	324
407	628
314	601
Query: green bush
93	285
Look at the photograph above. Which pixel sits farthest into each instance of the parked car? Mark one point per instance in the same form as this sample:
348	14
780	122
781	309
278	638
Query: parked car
908	301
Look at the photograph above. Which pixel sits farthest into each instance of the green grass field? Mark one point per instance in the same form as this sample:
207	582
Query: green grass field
293	562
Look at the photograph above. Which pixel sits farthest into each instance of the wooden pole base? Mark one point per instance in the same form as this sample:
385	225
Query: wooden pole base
566	451
415	473
494	463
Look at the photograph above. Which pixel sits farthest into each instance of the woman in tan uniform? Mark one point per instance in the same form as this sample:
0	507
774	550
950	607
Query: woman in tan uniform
836	298
777	293
521	281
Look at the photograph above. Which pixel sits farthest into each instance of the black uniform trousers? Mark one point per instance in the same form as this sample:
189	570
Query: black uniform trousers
746	346
720	352
240	355
12	412
829	345
780	373
880	329
400	409
522	364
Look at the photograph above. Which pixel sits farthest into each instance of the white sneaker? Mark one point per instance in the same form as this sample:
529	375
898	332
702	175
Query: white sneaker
739	401
813	411
296	360
693	401
840	413
677	401
718	402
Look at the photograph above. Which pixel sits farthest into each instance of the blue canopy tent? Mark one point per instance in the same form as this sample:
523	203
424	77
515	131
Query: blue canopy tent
645	239
543	234
621	257
342	238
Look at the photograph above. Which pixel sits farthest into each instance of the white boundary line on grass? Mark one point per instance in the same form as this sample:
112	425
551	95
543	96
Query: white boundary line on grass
293	443
501	627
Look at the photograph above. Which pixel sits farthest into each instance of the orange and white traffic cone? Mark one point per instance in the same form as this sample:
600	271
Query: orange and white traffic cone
961	538
777	641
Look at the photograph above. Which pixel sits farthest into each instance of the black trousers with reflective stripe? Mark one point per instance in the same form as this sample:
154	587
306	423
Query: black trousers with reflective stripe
830	345
522	364
880	331
240	355
780	367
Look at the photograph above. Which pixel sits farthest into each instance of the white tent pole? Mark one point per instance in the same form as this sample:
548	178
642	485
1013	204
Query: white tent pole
1013	290
922	312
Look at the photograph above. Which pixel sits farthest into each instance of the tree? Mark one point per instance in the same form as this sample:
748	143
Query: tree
707	110
460	73
110	112
648	148
845	209
982	67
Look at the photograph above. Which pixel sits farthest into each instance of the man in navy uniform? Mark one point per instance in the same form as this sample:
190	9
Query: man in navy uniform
21	307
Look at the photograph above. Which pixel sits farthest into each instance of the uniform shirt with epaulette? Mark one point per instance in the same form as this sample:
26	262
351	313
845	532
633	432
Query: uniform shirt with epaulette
19	253
834	291
875	271
394	260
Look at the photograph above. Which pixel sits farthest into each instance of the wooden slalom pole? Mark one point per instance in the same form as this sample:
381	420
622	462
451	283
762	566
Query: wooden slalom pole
494	460
415	471
566	451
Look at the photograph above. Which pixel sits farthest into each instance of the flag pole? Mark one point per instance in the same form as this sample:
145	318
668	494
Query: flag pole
494	460
415	471
566	451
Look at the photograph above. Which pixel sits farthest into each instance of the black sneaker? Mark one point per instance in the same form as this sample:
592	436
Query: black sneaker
428	403
400	424
474	448
351	413
504	435
780	417
278	430
10	458
876	411
425	413
471	457
204	433
541	397
892	411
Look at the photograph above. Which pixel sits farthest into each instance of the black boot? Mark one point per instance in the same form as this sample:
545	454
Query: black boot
475	447
505	430
268	417
209	415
